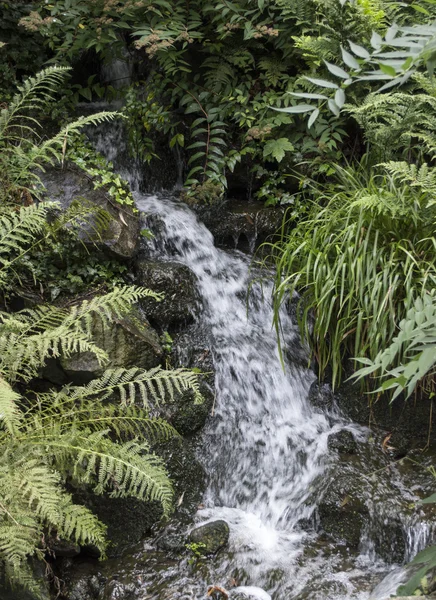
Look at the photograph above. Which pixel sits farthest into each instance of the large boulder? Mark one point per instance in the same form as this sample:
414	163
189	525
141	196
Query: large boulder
369	496
120	235
410	423
177	283
191	349
129	342
241	225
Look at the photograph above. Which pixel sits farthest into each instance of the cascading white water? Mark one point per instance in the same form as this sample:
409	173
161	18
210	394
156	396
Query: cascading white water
266	447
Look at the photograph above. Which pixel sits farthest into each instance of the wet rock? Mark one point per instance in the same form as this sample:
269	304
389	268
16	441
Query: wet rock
321	395
63	548
83	588
187	475
120	236
343	442
191	349
409	422
173	543
187	415
241	226
177	283
342	511
210	537
115	590
128	520
129	342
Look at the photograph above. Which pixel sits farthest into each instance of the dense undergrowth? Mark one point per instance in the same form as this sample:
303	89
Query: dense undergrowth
325	106
97	435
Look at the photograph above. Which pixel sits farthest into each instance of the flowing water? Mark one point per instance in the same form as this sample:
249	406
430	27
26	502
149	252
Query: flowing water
265	448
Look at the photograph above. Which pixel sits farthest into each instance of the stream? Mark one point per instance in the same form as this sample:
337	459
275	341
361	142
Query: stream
265	449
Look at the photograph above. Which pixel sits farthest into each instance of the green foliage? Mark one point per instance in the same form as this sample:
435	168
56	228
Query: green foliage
102	173
196	549
21	53
208	65
412	352
95	435
358	260
22	149
417	584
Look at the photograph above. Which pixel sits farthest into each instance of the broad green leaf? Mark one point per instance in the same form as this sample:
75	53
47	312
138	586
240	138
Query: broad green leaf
376	40
340	98
349	60
313	118
277	148
388	69
322	83
430	500
359	50
300	108
308	95
333	107
336	70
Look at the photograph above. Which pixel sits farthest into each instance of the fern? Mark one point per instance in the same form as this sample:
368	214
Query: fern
390	121
423	178
29	337
32	95
95	435
85	435
22	152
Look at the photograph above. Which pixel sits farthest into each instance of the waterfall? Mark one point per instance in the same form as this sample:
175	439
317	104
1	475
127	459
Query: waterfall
265	449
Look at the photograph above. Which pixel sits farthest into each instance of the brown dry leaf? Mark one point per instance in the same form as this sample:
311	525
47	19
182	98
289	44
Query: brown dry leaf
122	219
216	588
385	443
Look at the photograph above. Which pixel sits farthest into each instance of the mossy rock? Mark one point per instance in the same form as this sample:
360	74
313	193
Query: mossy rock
241	225
120	237
129	342
177	283
343	442
210	538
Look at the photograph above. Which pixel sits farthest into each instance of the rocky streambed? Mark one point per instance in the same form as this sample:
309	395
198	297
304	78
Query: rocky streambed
282	490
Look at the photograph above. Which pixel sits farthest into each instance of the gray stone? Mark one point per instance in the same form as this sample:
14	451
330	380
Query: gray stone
177	283
121	234
129	342
342	511
410	423
173	543
186	414
210	537
241	225
63	548
83	588
343	442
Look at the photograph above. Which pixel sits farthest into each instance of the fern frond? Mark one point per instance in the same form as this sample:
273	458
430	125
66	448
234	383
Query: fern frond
154	385
18	229
29	337
127	469
32	94
423	177
10	416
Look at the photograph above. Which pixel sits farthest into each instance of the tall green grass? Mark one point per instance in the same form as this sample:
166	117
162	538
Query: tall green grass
358	259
